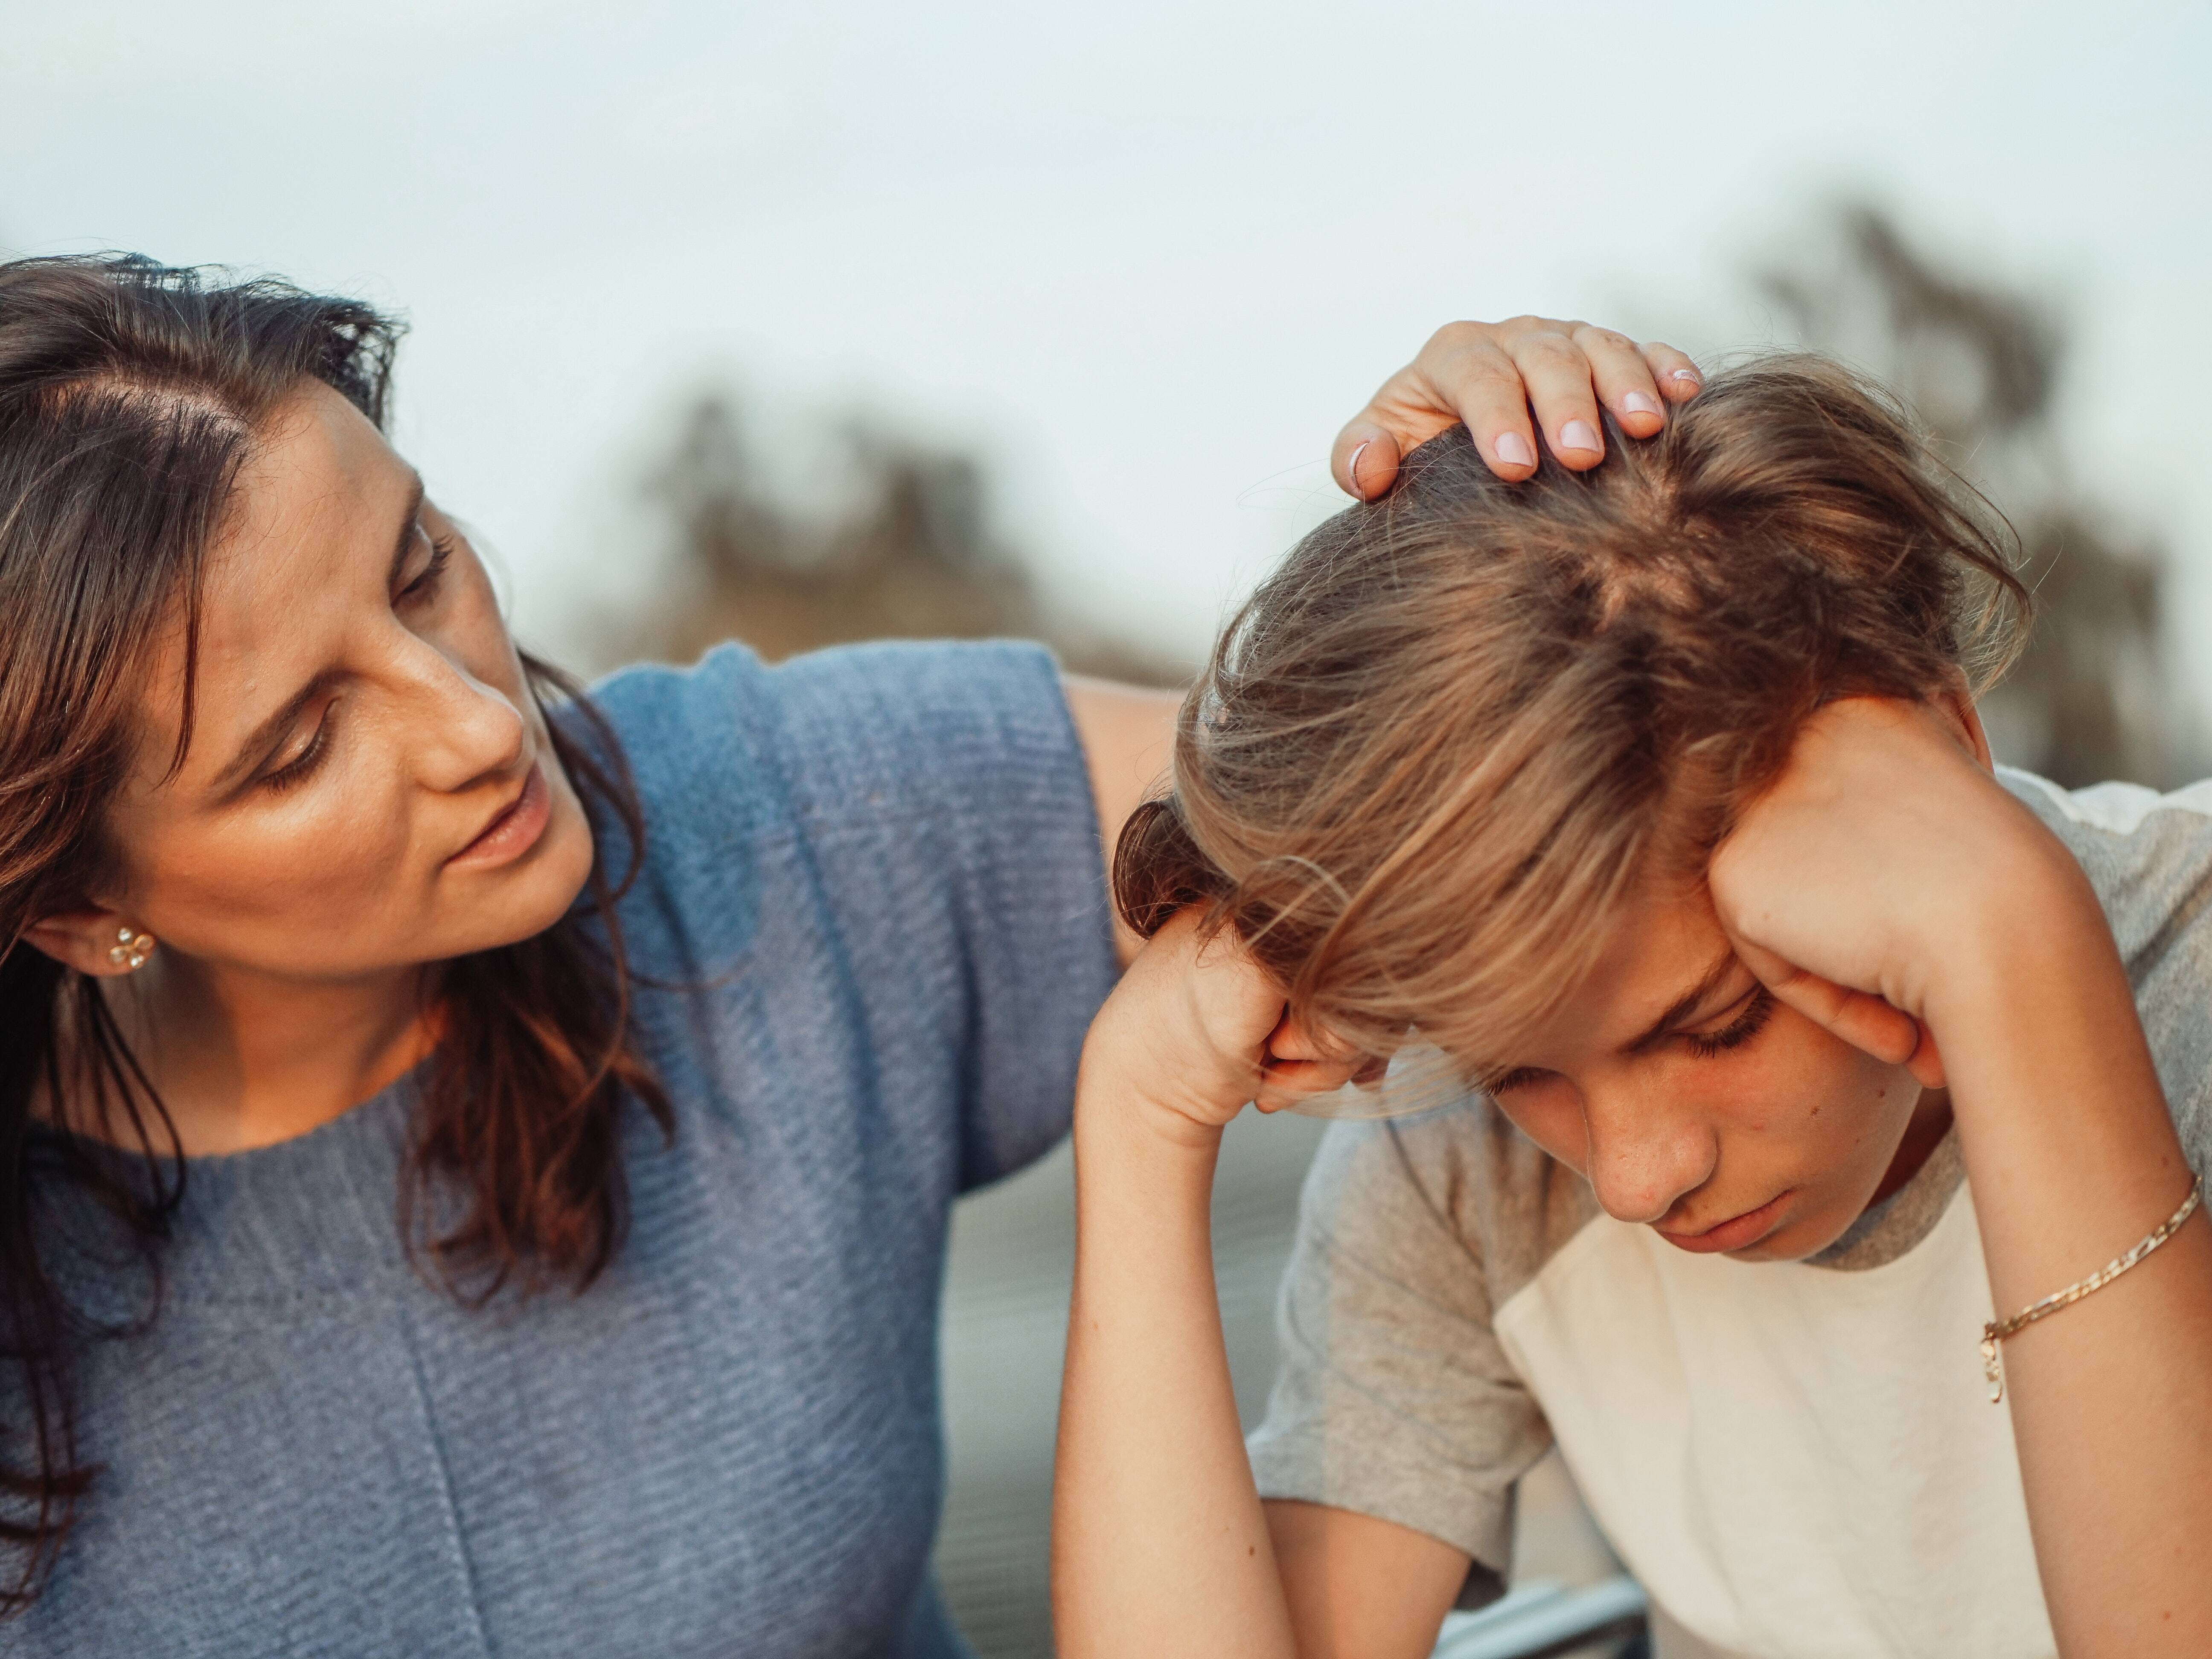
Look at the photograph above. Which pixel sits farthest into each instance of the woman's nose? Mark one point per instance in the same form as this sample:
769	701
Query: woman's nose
467	729
1644	1157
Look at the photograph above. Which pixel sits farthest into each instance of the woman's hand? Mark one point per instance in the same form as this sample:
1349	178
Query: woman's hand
1885	847
1194	1031
1489	375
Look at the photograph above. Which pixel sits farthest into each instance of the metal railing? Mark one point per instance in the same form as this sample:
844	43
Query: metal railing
1540	1620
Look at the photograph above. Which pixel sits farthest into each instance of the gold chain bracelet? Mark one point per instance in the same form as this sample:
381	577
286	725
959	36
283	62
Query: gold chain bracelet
1994	1332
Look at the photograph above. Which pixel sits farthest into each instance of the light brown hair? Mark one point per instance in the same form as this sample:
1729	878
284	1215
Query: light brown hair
1437	748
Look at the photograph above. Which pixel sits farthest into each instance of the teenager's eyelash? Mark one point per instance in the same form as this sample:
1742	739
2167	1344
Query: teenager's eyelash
1738	1031
441	552
1704	1044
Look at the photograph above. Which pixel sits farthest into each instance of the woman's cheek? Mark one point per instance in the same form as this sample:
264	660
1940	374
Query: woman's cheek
291	876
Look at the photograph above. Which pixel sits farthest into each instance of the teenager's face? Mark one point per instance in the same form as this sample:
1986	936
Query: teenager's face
369	785
1697	1105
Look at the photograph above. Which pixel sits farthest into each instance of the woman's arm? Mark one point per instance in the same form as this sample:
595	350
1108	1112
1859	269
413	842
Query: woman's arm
1128	739
1161	1546
1888	870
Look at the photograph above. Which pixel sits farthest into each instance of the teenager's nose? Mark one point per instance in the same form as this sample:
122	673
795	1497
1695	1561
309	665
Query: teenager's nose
1641	1156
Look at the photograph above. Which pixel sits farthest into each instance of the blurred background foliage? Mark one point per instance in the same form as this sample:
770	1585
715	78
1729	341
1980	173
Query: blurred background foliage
897	543
2097	695
900	541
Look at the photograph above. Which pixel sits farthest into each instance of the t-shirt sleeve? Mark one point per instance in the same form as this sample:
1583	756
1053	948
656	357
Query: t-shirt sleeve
942	794
2149	856
1394	1398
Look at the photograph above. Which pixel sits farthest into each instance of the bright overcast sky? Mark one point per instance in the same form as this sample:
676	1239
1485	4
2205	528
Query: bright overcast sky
1147	255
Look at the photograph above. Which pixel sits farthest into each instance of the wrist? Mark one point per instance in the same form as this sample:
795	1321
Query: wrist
2048	1071
1129	1083
2029	913
1142	1171
1113	1108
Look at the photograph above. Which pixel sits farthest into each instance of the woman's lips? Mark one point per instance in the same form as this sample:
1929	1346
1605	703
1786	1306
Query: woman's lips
1738	1232
513	829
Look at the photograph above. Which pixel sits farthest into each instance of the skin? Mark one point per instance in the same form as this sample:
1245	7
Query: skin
1508	382
1883	893
299	928
298	878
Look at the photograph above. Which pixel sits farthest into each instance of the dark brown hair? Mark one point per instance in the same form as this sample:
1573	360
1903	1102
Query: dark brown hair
130	395
1437	748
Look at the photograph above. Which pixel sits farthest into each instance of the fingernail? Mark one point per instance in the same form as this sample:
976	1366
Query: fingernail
1352	468
1513	449
1641	403
1579	434
1689	375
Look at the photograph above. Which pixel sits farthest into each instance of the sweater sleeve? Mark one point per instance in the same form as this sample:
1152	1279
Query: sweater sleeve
943	792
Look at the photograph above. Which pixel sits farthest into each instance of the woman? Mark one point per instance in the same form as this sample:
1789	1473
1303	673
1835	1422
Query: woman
1656	800
476	1178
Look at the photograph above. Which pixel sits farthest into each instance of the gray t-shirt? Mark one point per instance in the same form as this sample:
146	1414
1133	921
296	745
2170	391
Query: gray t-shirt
872	902
1796	1459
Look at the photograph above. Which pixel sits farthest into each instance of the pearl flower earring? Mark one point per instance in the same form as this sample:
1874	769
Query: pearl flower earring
131	949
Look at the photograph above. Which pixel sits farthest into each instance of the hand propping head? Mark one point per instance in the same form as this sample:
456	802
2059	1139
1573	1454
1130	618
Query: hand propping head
1196	1030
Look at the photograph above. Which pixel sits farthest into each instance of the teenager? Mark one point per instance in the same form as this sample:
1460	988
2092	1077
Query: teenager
475	1160
1816	1072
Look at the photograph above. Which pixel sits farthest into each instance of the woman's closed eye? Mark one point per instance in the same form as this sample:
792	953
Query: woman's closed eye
1740	1027
297	769
424	585
419	589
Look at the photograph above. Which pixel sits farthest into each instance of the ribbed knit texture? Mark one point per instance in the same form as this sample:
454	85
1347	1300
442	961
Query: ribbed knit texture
875	874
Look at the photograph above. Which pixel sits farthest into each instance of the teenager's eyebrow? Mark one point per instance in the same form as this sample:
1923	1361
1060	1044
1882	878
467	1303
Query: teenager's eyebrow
264	736
1687	1004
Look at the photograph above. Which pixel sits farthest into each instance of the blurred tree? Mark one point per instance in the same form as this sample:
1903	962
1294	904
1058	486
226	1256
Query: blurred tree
903	550
2096	696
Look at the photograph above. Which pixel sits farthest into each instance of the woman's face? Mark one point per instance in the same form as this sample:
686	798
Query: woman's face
369	785
1697	1105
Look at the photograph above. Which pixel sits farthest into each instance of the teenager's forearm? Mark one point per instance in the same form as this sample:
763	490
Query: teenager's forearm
1159	1547
2072	1159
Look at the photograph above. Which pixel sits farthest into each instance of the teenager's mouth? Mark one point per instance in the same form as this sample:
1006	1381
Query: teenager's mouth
513	829
1736	1233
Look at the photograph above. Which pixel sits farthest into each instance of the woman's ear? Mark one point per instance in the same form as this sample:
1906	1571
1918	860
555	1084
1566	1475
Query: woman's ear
101	942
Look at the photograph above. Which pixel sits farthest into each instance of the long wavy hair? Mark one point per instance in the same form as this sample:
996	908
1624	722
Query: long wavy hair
1443	743
130	395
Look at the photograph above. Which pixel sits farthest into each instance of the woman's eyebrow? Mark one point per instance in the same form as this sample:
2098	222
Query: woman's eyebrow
266	735
1685	1005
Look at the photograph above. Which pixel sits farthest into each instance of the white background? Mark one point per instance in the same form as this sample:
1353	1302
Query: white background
1147	256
